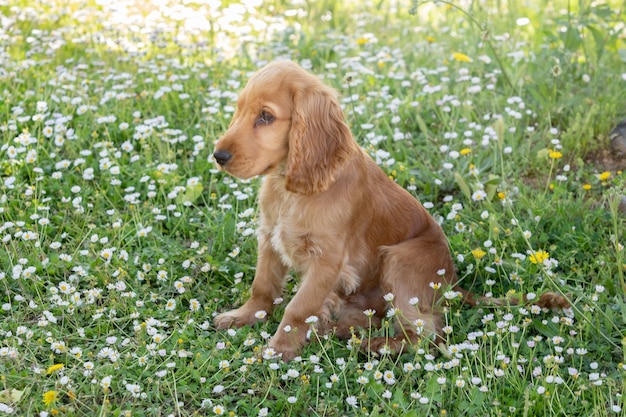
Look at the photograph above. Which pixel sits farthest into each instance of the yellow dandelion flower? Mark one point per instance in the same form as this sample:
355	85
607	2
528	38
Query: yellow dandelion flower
361	41
604	176
49	397
538	256
465	151
458	56
478	253
430	39
586	187
54	368
555	154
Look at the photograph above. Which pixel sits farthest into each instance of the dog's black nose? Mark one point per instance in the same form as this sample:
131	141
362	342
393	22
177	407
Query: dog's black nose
222	157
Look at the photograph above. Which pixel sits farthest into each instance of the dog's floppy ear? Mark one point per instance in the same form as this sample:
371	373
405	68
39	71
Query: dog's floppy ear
319	141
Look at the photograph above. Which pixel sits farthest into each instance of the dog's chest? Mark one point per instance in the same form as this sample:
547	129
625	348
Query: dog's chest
279	244
303	235
281	225
295	246
299	250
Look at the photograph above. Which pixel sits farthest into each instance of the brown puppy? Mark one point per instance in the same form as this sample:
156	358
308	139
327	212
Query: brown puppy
331	215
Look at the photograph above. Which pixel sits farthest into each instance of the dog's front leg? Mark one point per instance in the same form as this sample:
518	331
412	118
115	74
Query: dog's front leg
318	281
266	287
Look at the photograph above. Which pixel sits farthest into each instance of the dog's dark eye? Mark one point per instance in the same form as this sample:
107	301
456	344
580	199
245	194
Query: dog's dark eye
264	119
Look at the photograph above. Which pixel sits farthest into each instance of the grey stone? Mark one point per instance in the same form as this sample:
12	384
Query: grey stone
618	139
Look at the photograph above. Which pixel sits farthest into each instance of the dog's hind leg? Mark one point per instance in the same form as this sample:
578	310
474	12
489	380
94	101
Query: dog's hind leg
414	274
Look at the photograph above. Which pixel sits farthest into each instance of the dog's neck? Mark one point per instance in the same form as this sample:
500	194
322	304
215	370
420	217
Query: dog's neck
279	171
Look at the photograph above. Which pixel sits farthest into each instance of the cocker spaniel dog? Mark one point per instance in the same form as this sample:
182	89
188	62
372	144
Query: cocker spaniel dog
332	216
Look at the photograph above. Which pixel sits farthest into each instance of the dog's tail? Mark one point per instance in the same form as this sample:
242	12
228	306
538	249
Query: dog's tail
547	300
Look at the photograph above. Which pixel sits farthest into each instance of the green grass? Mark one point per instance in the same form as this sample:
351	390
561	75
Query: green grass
121	241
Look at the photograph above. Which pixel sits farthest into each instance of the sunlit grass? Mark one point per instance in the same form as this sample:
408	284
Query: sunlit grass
121	241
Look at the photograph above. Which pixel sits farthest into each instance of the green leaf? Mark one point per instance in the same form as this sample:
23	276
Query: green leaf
398	397
499	127
547	330
192	192
599	39
543	153
422	124
478	398
465	189
374	413
491	186
571	38
11	396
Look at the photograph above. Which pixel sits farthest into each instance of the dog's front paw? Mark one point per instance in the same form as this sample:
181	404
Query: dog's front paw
237	318
286	345
385	345
286	352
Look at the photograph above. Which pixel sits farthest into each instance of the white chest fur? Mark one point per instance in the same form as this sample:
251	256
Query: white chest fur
278	243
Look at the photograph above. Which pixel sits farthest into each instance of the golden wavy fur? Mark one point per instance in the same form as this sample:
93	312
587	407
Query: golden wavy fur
331	215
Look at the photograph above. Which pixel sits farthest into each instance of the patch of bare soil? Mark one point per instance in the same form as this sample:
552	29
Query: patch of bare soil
606	160
612	159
